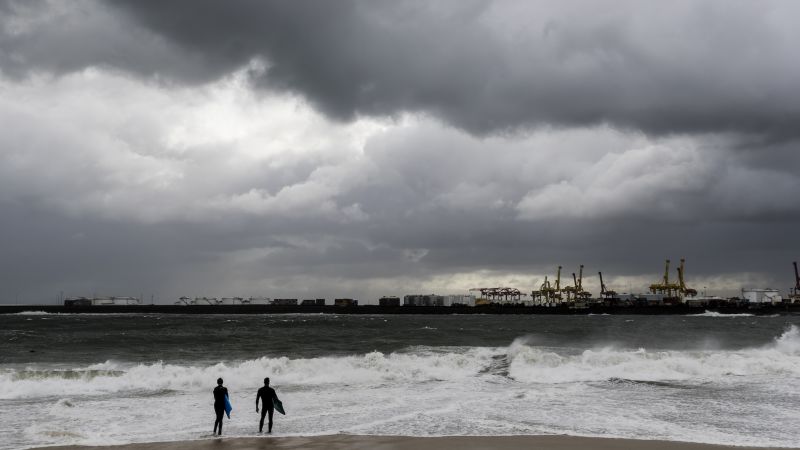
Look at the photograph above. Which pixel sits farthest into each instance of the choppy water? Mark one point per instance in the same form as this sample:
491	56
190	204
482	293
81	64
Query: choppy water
100	379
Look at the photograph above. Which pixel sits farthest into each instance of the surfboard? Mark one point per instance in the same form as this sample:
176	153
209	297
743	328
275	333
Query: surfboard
228	407
278	406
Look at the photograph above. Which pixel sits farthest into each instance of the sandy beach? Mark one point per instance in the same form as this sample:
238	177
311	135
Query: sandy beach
414	443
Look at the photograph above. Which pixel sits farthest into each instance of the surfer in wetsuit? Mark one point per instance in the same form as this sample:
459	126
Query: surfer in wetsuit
220	392
267	395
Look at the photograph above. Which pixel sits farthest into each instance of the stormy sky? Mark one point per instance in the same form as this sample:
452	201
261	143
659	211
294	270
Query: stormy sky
358	149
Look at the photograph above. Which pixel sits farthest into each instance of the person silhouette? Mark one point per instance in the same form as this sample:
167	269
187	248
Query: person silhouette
220	392
266	394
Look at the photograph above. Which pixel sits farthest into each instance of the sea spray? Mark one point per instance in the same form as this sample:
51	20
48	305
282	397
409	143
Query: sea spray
702	379
534	364
789	342
528	363
371	368
719	314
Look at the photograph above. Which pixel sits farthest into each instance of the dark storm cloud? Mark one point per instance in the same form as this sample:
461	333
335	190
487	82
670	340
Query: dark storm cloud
491	66
145	166
95	199
483	66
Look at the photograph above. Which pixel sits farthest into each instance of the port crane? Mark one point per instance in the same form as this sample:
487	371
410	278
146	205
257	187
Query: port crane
665	287
549	292
499	294
555	291
796	279
543	294
576	292
570	291
505	293
605	293
584	295
689	292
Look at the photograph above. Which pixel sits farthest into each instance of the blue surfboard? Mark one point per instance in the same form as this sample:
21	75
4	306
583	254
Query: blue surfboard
228	407
278	406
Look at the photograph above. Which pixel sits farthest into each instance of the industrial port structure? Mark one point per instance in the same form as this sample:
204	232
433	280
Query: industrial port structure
666	295
795	294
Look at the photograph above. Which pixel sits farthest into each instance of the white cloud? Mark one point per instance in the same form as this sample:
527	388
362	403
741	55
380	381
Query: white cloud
96	142
157	154
646	181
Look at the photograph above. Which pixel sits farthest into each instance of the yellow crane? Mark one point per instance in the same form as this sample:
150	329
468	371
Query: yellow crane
605	292
665	287
549	292
682	285
580	292
540	296
571	290
557	287
576	290
660	287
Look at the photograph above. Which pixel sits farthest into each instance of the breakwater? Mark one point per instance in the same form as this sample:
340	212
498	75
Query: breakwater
762	309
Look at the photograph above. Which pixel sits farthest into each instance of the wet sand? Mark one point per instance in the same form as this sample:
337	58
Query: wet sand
343	441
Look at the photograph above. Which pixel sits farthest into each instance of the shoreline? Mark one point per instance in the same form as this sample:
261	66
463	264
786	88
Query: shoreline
360	442
683	309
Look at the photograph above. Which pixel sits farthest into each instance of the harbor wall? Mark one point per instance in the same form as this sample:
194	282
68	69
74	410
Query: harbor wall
762	309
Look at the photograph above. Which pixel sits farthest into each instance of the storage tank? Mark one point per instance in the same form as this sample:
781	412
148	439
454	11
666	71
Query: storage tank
97	301
770	296
457	300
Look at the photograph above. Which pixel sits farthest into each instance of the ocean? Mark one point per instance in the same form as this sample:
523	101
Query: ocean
113	379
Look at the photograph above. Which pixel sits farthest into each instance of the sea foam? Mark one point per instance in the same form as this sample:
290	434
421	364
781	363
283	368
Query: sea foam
719	314
521	361
534	364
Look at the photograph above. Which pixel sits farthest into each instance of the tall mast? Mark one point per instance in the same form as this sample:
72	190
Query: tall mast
796	278
602	285
558	279
680	275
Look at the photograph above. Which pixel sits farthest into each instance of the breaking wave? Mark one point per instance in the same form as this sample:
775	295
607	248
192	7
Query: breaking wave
522	361
539	365
718	314
371	368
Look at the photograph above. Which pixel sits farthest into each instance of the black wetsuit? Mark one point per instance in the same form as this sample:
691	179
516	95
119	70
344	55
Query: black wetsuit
266	394
220	393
